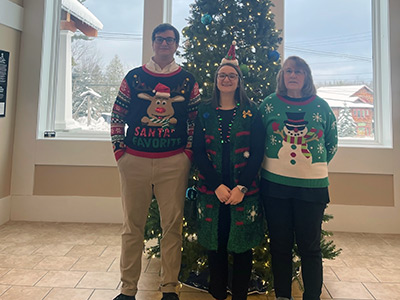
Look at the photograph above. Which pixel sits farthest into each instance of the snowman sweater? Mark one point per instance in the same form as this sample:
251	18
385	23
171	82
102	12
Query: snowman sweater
301	140
158	108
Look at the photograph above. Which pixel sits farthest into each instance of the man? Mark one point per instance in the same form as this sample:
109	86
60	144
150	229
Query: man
158	103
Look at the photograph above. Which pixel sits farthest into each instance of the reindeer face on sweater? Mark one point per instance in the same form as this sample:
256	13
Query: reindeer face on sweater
160	111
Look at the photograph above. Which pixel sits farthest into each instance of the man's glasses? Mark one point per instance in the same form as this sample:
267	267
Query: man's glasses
160	40
231	76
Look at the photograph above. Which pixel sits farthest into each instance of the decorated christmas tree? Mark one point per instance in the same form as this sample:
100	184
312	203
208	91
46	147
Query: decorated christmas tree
215	24
345	123
194	270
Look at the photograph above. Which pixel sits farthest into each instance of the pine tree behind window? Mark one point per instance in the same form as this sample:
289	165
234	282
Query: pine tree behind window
345	123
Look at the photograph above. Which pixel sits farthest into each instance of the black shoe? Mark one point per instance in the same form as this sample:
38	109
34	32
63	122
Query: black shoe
170	296
124	297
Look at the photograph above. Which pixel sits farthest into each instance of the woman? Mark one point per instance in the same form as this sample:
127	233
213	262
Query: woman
302	140
228	151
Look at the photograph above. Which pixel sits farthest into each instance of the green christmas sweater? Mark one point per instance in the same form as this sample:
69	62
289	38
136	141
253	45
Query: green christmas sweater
301	140
246	228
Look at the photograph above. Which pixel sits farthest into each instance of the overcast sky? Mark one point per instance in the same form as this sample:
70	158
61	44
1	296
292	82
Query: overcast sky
333	36
122	30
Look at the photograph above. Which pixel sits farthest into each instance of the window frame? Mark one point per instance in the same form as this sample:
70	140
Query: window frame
383	128
48	83
49	68
382	75
383	135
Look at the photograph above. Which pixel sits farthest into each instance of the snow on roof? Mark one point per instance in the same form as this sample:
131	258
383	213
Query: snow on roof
337	96
341	92
82	13
338	103
343	89
90	91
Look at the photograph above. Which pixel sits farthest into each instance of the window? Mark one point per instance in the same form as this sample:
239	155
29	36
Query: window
348	53
97	42
180	12
345	43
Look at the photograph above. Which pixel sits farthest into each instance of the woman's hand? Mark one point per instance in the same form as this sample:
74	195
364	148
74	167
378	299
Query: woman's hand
223	193
236	197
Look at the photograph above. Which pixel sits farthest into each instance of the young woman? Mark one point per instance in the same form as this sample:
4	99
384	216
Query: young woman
302	140
228	151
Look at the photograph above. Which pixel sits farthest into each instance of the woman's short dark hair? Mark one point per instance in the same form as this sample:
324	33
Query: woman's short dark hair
164	27
240	93
308	87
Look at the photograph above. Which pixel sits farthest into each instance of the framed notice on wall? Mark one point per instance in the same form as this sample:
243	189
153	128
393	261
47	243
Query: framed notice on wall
4	59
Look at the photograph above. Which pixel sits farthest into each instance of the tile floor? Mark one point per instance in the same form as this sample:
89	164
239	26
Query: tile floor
70	261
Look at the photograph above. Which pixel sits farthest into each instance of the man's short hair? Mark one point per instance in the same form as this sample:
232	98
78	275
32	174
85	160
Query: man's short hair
164	27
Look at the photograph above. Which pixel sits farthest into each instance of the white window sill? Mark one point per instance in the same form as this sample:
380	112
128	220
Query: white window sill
79	135
363	143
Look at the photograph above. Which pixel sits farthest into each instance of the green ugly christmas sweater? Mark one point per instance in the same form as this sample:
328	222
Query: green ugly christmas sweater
301	140
246	228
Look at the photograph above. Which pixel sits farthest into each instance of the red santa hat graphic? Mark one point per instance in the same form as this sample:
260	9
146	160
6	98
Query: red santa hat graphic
162	90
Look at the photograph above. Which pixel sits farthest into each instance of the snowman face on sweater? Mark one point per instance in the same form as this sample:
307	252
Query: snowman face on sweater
295	130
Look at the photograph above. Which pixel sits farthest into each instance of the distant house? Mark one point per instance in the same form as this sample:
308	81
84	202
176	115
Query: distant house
359	98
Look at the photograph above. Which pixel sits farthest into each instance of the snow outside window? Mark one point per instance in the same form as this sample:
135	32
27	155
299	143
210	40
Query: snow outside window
347	50
345	44
96	42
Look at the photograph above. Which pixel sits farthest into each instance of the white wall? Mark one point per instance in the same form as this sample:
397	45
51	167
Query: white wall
29	151
5	209
11	24
11	14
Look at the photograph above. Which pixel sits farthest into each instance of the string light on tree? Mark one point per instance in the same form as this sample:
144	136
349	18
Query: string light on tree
216	25
225	26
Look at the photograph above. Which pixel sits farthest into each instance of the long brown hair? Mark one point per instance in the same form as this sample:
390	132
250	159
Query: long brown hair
240	93
308	87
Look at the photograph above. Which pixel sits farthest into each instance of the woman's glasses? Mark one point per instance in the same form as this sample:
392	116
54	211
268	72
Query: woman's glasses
296	72
231	76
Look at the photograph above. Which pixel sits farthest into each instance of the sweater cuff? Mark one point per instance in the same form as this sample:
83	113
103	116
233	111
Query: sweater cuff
118	154
189	154
215	185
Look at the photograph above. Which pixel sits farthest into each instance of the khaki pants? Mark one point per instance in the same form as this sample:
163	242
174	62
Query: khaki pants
141	177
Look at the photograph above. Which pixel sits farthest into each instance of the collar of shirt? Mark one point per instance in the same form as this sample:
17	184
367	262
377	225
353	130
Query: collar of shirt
155	68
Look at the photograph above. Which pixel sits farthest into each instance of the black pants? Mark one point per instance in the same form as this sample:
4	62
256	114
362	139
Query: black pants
290	219
218	263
